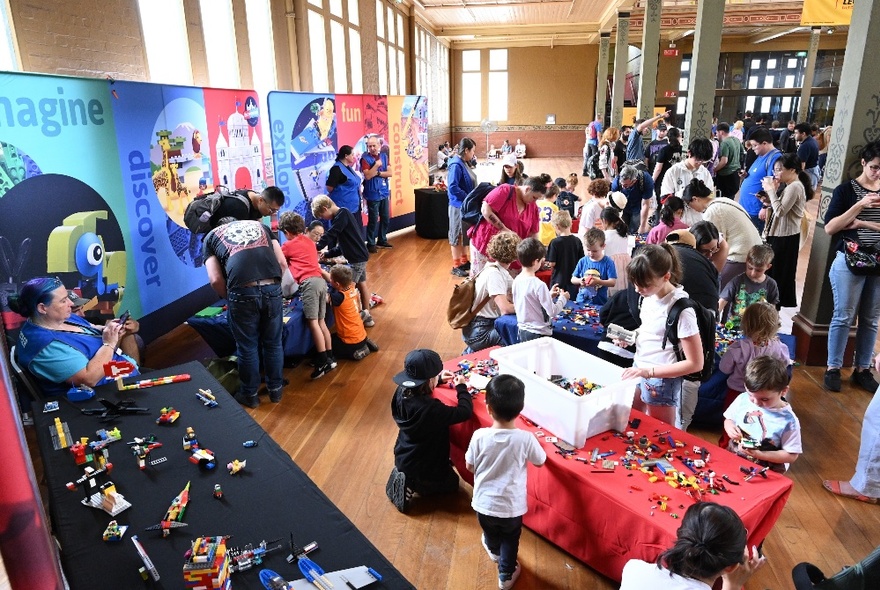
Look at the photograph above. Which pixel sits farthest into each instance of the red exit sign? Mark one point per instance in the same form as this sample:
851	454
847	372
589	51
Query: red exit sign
670	94
670	52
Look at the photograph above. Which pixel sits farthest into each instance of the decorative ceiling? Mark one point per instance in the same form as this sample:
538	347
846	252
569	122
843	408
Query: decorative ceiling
511	23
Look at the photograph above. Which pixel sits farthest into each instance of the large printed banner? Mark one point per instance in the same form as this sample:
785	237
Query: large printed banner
95	176
94	179
827	13
309	129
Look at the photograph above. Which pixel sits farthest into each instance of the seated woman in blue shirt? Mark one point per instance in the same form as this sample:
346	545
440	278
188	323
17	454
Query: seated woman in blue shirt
61	349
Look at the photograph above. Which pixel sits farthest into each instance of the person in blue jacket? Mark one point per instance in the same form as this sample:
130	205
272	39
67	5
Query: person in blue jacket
344	184
460	180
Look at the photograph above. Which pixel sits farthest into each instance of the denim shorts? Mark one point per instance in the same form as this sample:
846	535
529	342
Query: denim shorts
358	271
661	392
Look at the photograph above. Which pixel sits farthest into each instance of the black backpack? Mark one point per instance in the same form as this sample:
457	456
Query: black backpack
198	213
706	324
593	167
471	206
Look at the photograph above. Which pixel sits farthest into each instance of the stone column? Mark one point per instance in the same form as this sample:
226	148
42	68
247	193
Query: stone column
650	58
856	122
704	70
809	73
621	58
602	75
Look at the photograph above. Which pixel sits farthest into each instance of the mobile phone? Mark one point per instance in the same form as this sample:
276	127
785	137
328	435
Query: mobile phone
124	317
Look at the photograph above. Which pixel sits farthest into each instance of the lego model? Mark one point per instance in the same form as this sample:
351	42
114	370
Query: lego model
60	434
50	407
315	577
207	565
235	466
111	410
141	447
249	444
167	416
148	568
118	369
218	492
174	515
244	558
105	437
114	531
201	457
144	383
207	398
105	497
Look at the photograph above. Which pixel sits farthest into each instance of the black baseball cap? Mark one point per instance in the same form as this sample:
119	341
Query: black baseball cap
419	366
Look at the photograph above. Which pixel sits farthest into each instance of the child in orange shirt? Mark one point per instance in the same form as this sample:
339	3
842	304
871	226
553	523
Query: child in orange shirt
350	340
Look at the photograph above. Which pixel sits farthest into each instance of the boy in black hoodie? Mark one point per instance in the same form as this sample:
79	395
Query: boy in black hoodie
421	453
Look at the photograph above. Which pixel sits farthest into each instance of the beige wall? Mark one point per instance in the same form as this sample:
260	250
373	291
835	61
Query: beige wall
90	38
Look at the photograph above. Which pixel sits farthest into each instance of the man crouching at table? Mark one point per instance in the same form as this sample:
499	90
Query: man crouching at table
244	265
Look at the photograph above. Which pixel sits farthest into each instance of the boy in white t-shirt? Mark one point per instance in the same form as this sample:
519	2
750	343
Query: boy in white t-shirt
532	300
498	457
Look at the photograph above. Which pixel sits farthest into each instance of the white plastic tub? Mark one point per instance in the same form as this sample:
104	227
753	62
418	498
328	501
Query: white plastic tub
572	418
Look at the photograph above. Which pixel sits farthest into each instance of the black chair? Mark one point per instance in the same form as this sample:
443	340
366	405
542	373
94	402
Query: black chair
26	379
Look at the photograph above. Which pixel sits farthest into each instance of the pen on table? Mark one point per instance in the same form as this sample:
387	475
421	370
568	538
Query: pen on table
347	583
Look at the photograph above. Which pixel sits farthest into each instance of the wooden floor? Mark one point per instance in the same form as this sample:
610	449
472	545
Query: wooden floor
339	430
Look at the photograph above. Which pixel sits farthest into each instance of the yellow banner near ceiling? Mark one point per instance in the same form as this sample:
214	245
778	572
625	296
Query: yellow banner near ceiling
827	12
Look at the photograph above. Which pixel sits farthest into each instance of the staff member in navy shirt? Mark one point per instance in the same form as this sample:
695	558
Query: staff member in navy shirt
808	151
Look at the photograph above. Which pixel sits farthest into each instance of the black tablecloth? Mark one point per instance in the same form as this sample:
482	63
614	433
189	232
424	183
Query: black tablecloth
296	338
432	216
270	499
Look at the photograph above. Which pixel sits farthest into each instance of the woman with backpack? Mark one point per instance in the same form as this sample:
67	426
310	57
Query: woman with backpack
608	163
783	227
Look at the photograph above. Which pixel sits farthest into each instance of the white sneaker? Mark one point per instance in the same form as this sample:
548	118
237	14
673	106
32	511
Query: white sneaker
369	322
493	556
505	584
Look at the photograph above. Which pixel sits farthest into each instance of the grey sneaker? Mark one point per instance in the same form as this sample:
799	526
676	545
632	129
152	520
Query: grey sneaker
369	322
361	353
371	345
506	581
396	491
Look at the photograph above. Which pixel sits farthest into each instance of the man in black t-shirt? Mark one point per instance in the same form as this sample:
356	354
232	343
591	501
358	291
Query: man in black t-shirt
658	144
262	204
668	155
245	264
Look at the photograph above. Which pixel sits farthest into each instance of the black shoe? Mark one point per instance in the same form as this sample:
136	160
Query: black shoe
371	345
396	491
321	371
372	249
832	379
383	245
465	266
249	401
332	360
864	379
275	396
459	272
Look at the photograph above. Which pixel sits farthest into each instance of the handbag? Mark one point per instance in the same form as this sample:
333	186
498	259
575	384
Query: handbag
860	259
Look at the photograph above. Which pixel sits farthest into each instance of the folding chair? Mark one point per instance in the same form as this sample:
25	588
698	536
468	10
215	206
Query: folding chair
25	378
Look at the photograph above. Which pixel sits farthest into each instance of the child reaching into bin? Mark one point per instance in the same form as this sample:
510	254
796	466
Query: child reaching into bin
498	457
656	274
421	453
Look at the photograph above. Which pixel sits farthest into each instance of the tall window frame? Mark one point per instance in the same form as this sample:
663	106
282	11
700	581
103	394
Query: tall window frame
391	48
471	85
9	59
335	46
497	83
163	27
221	50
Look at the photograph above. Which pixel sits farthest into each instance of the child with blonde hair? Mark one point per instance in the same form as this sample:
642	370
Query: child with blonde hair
592	209
760	324
564	252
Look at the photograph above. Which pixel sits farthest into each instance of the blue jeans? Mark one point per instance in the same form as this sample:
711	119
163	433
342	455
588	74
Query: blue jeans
502	539
866	481
758	223
255	317
854	297
377	215
480	334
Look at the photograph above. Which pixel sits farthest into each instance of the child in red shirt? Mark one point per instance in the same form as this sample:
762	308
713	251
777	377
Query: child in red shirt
302	260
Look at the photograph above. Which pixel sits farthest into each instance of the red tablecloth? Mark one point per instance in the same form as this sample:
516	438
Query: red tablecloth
606	519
